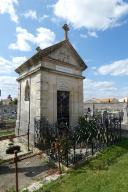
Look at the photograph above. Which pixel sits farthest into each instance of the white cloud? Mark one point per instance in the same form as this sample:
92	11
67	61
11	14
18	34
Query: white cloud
8	85
33	15
119	67
92	34
124	92
89	34
43	17
84	36
23	36
96	89
103	89
44	37
8	66
7	6
4	65
17	61
30	14
93	15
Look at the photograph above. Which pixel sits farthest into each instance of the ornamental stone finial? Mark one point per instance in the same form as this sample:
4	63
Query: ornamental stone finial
66	29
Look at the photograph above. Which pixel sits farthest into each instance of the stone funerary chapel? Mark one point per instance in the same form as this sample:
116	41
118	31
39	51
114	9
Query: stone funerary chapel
50	85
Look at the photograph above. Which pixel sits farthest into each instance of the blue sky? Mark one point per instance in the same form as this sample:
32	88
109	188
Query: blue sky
98	31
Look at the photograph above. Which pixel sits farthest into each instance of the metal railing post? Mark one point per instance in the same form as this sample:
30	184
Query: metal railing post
16	169
28	135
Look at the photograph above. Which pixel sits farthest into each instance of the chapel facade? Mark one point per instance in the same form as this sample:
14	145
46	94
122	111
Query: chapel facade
50	85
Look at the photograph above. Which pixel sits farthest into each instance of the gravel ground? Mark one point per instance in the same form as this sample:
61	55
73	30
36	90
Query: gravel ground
29	171
4	145
124	130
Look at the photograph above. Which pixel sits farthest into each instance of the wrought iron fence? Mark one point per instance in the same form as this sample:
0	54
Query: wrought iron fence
71	144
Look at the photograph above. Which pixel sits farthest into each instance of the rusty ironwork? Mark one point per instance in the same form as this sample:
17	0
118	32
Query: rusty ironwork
91	134
63	107
16	169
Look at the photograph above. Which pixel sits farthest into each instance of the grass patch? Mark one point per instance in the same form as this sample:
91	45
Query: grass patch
107	172
12	189
109	156
1	161
7	132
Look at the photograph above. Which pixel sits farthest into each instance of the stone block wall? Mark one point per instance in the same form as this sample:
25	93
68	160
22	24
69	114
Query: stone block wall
50	84
28	110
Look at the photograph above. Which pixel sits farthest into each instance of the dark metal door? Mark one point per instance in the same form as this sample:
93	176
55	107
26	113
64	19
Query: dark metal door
63	107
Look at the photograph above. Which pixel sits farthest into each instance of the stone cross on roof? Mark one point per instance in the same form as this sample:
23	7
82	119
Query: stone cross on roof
66	29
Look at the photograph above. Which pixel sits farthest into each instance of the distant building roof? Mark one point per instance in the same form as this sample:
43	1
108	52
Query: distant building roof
6	101
90	101
102	100
123	99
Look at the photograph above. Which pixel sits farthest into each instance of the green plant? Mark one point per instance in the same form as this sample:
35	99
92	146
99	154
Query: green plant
107	172
51	164
25	190
1	161
12	189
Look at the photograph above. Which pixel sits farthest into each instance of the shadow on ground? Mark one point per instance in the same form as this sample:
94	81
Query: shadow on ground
105	158
28	171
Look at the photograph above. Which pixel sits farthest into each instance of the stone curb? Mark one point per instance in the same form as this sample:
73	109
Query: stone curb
7	137
39	184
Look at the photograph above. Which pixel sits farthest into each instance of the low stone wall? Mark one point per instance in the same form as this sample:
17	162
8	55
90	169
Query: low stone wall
7	137
23	137
105	106
120	108
8	110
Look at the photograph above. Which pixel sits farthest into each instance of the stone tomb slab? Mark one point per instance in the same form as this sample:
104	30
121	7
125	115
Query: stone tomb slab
4	145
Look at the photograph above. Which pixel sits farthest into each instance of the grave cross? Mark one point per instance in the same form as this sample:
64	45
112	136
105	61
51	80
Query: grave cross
66	29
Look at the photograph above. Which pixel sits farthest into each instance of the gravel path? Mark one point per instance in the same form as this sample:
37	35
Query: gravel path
4	145
30	170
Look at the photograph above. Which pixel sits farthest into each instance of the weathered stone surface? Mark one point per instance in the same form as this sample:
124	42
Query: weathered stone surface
56	72
120	107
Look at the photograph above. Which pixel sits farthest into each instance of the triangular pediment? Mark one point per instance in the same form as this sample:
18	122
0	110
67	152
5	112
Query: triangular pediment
64	52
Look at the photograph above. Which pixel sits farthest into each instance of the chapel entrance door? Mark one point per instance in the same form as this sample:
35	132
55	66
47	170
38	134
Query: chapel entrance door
63	107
